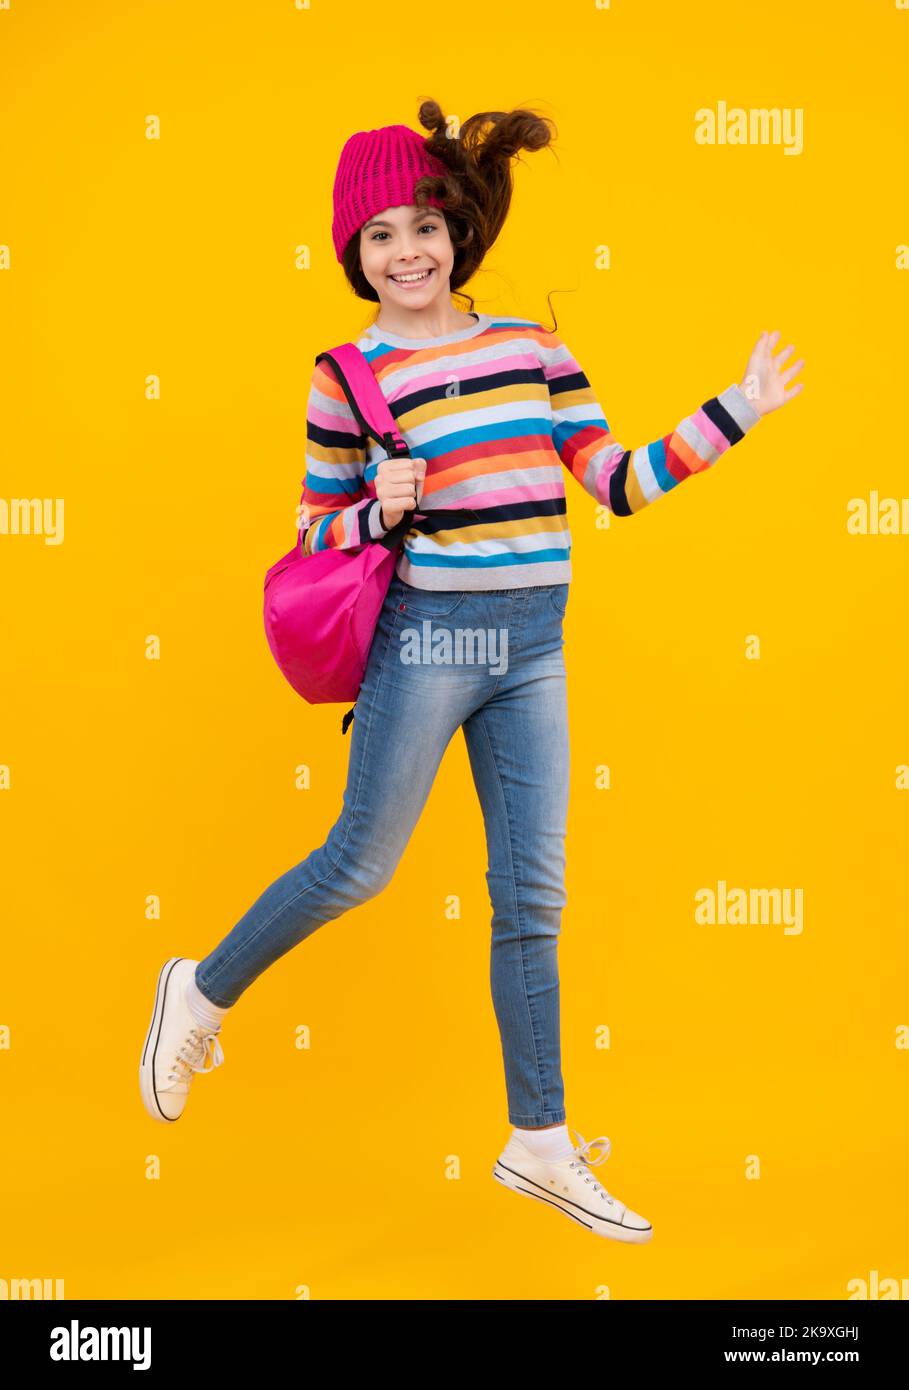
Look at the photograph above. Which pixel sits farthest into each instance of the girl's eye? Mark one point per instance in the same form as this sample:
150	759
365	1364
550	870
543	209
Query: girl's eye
430	225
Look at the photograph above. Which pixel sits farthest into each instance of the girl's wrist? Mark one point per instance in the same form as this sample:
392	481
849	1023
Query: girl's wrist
755	405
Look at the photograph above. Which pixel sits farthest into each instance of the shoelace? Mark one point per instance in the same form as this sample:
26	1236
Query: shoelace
192	1053
583	1161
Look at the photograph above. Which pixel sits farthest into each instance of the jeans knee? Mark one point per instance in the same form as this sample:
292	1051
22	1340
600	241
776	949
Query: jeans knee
361	873
535	902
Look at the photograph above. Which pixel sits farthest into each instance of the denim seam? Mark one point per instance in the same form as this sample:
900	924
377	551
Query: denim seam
429	616
263	926
550	1117
518	916
364	762
500	677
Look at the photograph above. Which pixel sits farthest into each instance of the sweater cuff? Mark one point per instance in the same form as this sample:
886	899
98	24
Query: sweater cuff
376	529
734	400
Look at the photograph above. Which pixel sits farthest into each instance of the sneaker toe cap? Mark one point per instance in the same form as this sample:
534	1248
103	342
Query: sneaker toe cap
166	1105
634	1221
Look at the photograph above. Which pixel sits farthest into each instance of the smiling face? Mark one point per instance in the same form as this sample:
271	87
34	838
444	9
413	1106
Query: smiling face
407	256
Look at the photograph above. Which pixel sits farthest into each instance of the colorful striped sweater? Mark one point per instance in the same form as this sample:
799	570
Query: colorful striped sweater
498	410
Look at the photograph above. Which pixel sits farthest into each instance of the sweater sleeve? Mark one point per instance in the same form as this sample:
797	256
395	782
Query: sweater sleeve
338	507
627	480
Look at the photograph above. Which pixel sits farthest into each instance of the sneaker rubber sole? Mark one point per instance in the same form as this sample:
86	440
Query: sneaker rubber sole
147	1062
612	1230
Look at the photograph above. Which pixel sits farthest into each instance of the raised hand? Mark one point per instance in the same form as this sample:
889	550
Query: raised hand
764	383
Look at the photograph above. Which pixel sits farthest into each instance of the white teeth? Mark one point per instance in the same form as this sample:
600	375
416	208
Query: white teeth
409	279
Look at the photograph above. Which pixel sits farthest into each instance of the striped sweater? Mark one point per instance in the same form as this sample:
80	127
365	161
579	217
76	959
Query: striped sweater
498	410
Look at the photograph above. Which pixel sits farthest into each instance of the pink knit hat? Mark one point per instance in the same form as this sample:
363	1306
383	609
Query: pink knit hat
377	170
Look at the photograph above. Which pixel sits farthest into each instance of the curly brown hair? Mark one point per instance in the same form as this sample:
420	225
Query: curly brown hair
476	190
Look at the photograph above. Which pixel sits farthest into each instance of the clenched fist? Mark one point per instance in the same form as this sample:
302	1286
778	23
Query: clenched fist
399	488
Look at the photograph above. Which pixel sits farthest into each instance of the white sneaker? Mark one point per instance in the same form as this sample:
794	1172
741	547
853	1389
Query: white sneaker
568	1185
176	1044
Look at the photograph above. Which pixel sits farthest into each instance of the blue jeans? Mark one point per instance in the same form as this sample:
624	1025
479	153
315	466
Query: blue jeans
510	700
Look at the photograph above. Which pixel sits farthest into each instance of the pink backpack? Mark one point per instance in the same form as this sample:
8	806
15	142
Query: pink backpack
321	610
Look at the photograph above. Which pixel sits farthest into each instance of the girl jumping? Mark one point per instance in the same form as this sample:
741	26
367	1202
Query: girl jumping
495	411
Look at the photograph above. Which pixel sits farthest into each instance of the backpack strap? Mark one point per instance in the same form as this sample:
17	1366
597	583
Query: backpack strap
371	412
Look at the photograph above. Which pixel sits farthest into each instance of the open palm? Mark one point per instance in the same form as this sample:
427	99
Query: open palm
764	383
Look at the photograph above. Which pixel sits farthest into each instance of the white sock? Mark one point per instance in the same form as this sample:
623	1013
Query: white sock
548	1144
201	1008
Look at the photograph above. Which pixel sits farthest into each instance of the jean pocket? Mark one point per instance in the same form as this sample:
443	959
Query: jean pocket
558	597
429	603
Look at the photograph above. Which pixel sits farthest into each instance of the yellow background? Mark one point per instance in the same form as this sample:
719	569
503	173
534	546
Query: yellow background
326	1168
